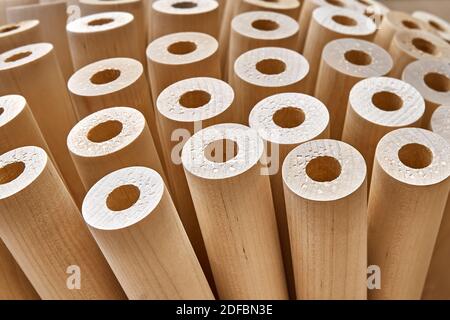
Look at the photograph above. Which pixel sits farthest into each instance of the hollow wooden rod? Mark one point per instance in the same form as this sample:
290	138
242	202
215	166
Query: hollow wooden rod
15	35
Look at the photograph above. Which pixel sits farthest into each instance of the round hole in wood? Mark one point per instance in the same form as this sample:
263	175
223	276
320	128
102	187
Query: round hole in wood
265	25
358	57
271	66
195	99
387	101
410	24
336	3
345	21
221	151
364	2
415	156
436	26
289	117
18	56
437	82
105	76
100	22
105	131
323	169
424	46
182	47
9	28
123	197
184	5
11	172
1	110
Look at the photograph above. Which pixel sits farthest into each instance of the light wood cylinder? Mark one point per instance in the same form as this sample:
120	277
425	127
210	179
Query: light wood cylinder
240	233
110	83
344	63
15	35
104	35
132	217
174	16
285	121
263	72
111	139
410	185
48	99
327	24
181	56
377	106
256	29
395	21
437	285
326	203
43	229
409	46
306	12
53	19
438	25
432	79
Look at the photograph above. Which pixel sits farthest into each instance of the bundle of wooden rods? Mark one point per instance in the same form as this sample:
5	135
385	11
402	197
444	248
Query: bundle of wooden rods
240	149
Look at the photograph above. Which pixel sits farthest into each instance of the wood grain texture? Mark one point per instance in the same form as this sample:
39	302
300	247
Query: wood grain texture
344	63
104	35
48	99
52	18
327	24
142	236
240	233
431	78
262	72
49	236
285	121
410	185
376	107
326	203
15	35
437	285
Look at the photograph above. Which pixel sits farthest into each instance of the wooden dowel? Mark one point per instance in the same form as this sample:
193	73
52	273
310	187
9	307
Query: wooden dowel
307	10
44	231
393	22
110	83
377	106
173	16
224	34
344	63
437	285
256	29
184	108
15	35
133	219
326	203
104	35
181	56
410	185
327	24
111	139
285	121
409	46
48	99
235	211
262	72
431	78
437	24
52	18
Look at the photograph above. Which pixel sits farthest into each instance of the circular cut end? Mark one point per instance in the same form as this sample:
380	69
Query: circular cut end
123	198
23	55
344	21
105	76
289	118
422	44
274	5
271	67
431	78
324	170
19	168
403	21
264	25
184	7
195	99
440	122
105	132
414	156
182	48
437	24
100	22
387	102
12	29
222	151
357	58
10	107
